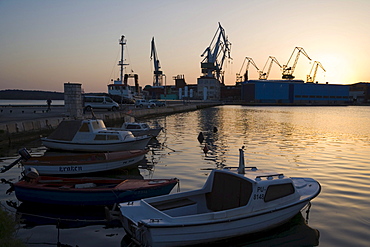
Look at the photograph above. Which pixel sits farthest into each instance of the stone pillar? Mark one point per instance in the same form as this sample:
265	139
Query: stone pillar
73	100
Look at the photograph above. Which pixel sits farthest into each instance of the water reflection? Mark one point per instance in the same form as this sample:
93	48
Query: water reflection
63	217
330	144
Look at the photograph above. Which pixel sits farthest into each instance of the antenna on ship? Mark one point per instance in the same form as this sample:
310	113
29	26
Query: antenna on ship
241	169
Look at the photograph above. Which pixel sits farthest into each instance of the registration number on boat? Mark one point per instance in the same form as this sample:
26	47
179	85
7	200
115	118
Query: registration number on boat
260	193
258	196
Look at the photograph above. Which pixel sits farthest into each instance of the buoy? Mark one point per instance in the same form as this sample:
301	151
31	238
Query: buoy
205	149
200	137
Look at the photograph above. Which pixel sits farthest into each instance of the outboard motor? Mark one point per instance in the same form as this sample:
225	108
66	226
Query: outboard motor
30	173
24	154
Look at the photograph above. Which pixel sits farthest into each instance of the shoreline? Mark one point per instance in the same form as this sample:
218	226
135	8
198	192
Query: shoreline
28	123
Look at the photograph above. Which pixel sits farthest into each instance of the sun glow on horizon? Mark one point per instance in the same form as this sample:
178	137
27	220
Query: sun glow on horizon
39	54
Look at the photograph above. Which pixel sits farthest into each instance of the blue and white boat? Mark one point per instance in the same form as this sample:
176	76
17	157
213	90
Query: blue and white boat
140	129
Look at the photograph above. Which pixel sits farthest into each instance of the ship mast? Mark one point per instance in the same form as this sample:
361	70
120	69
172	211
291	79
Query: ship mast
121	63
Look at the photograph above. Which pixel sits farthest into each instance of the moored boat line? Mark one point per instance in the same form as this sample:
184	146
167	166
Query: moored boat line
33	124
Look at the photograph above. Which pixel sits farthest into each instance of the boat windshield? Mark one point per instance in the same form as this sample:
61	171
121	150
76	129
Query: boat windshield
132	126
98	124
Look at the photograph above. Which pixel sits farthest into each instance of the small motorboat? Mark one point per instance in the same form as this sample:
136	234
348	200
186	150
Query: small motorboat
232	203
140	129
91	135
88	191
82	163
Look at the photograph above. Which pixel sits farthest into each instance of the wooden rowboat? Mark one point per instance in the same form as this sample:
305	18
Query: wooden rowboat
89	191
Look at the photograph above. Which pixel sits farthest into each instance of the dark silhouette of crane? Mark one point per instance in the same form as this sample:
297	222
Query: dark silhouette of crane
215	54
158	74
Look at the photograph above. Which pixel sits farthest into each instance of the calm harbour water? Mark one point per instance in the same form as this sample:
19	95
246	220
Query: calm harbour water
329	144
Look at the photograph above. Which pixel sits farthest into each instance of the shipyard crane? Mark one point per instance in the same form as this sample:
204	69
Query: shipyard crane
240	78
158	74
315	66
215	54
288	71
264	76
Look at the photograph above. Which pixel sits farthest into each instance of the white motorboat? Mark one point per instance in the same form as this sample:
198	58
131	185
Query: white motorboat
82	163
140	129
91	135
231	203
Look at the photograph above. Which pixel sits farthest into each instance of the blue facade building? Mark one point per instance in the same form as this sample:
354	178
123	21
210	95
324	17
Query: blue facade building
293	92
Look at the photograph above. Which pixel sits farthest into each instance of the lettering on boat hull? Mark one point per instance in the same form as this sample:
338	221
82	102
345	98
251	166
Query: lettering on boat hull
70	168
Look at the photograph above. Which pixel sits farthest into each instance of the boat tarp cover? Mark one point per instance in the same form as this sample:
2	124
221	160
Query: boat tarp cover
66	130
228	192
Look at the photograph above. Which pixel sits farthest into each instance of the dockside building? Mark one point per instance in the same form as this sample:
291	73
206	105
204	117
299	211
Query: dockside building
295	92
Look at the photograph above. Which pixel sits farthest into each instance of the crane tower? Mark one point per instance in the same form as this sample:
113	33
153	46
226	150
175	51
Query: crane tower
315	66
288	71
239	77
215	54
265	75
158	74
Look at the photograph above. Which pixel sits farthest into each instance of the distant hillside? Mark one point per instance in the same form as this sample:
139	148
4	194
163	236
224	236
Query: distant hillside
30	94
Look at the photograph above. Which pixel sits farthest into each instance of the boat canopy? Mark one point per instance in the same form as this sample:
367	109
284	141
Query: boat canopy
66	130
228	191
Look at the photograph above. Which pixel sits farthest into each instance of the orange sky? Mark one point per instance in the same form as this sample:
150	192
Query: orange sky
46	43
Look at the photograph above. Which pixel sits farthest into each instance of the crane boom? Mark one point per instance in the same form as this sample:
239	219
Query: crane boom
215	54
315	66
288	71
158	74
239	78
264	76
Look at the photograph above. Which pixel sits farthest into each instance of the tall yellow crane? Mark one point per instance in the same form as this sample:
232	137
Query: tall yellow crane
240	78
288	71
264	76
315	66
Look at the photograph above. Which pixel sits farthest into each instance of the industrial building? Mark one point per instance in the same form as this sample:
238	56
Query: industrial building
294	92
359	93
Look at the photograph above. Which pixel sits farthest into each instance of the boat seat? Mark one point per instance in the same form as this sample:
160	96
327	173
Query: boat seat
171	204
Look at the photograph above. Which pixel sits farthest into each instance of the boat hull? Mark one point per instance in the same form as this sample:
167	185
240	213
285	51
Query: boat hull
61	166
63	195
218	229
150	132
96	146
